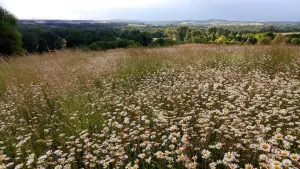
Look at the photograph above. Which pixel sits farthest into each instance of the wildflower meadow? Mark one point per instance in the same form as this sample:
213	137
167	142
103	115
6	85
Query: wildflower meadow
189	106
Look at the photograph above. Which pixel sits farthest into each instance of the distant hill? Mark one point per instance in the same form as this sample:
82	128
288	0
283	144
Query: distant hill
175	22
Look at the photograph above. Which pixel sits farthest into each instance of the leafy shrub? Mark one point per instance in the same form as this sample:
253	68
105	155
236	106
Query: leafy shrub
10	38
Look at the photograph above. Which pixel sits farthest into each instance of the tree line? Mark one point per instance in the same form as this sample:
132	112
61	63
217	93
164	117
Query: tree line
31	37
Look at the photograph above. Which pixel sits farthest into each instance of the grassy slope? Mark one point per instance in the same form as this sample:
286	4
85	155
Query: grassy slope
47	98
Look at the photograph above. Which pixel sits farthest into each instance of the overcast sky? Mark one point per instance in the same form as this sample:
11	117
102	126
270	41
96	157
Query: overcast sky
156	10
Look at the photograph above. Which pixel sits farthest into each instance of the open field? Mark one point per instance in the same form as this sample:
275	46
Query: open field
289	33
189	106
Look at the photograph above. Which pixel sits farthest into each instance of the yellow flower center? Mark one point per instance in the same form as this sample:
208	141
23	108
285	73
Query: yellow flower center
276	163
277	167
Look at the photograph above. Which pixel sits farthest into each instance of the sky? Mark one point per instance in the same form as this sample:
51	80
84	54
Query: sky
156	10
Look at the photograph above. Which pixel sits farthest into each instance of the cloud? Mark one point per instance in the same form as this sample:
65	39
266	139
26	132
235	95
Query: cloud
254	10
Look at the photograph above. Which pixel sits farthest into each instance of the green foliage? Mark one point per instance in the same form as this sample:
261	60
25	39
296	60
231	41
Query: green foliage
265	38
182	30
211	33
157	33
238	37
164	42
143	38
295	41
231	35
30	42
172	33
200	39
188	37
43	45
220	32
196	32
251	40
123	43
171	42
75	39
39	40
134	44
196	36
104	45
222	40
159	42
10	38
94	46
56	36
60	43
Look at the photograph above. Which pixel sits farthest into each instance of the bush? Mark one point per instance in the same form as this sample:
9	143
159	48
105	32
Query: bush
123	43
134	44
171	42
266	41
94	46
295	41
252	40
159	42
265	38
222	40
10	38
200	39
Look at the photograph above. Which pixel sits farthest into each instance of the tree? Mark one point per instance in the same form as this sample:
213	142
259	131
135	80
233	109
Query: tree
123	43
51	38
231	36
251	39
196	32
43	45
60	43
146	39
220	32
143	38
222	40
10	38
182	30
76	39
211	33
245	37
188	37
265	38
30	42
238	37
172	33
157	33
200	39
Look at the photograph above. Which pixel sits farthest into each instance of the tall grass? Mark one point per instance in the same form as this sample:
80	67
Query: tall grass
83	109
